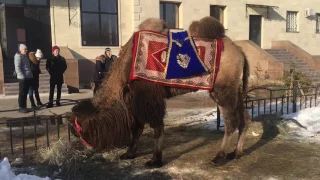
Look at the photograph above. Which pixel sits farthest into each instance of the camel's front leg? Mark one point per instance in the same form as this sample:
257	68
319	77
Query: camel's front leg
136	133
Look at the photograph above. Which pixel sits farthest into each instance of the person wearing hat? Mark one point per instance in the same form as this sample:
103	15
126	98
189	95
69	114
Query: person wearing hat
35	58
24	76
103	63
56	66
109	59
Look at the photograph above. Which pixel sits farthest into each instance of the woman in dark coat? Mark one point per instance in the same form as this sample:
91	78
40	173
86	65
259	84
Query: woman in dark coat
56	66
35	68
99	72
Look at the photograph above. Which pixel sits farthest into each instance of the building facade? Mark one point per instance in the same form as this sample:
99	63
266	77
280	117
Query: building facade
87	27
75	23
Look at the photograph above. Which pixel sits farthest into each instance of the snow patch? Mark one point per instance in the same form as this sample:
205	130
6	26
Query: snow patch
6	173
310	118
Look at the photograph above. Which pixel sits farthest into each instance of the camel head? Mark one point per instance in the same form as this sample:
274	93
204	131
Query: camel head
101	129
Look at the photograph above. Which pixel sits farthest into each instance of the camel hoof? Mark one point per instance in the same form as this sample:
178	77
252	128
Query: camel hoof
238	156
231	156
234	155
219	160
154	164
127	156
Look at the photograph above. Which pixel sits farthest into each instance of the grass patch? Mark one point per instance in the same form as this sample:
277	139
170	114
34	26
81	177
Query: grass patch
74	161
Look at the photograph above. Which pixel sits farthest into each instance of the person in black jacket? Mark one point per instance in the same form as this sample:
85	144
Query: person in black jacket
56	66
109	59
99	72
35	68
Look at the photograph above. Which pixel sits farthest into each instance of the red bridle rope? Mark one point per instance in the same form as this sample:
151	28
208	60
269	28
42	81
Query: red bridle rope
79	129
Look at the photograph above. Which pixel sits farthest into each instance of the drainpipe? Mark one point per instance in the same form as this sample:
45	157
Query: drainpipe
69	12
54	22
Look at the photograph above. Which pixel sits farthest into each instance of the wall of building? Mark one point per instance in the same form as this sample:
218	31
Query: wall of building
237	22
65	34
133	12
69	34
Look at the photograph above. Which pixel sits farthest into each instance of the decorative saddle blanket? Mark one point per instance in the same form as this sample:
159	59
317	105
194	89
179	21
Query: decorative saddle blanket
182	58
198	65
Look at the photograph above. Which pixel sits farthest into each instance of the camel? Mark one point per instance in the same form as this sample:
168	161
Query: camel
122	108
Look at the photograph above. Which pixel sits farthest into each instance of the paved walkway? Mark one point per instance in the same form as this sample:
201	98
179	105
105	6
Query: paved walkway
11	103
191	100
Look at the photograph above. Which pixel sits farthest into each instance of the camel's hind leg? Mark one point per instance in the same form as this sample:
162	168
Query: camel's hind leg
227	106
235	116
137	130
244	119
156	160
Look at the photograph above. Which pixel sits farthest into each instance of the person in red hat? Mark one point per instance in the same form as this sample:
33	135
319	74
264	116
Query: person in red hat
56	66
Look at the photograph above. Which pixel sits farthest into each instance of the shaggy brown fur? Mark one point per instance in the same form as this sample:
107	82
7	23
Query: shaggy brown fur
154	24
208	28
120	108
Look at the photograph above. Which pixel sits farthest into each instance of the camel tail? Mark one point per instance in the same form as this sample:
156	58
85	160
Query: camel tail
245	75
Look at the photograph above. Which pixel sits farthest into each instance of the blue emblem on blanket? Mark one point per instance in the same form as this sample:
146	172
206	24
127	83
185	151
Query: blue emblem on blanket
183	59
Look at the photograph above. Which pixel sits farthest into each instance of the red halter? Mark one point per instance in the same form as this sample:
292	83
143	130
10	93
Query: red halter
79	129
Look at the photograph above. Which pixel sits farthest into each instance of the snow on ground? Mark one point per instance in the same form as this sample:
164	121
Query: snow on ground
310	118
195	116
6	173
206	118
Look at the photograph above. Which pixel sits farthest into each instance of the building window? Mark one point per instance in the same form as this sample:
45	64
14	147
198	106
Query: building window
169	12
37	2
318	23
99	23
26	2
292	21
218	13
12	2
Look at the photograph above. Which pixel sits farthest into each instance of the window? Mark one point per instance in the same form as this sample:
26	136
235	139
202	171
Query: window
37	2
292	21
318	23
99	23
12	2
218	13
26	2
169	12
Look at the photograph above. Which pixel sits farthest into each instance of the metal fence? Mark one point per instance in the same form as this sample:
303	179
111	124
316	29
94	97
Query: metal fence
27	134
264	101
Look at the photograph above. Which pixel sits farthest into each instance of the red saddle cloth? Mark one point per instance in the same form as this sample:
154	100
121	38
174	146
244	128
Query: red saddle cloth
150	61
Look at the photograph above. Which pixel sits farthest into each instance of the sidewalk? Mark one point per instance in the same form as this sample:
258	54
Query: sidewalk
11	102
199	99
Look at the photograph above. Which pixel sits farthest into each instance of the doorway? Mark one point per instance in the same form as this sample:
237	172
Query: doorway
255	29
38	29
27	25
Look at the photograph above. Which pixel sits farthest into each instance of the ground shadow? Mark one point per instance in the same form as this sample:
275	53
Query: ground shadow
177	137
270	131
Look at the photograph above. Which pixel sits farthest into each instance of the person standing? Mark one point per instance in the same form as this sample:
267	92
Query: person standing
109	59
35	58
99	72
56	66
24	76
